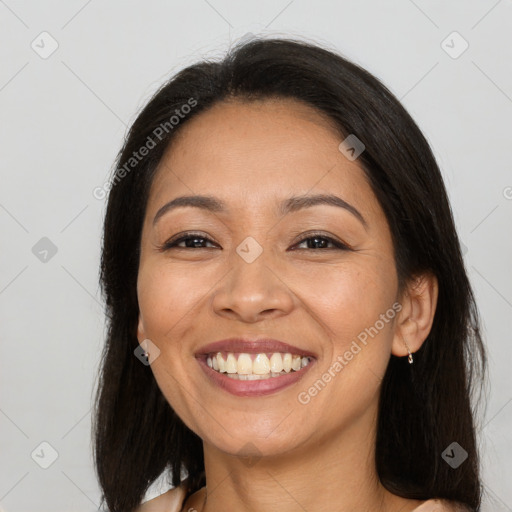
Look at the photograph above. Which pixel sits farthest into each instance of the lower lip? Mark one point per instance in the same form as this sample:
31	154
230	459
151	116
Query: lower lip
252	387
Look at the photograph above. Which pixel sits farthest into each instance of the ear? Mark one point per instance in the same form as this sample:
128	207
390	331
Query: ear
141	333
415	319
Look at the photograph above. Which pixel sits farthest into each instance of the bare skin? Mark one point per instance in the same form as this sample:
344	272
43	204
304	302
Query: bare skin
260	451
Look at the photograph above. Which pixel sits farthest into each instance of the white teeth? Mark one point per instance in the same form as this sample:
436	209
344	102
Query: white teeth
221	363
262	367
231	363
276	363
244	364
287	362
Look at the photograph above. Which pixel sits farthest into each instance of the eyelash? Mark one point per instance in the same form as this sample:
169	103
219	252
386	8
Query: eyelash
172	243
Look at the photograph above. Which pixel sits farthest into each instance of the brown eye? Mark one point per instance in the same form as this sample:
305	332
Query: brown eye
322	240
191	241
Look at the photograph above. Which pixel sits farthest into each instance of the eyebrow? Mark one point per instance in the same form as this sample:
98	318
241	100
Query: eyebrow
290	205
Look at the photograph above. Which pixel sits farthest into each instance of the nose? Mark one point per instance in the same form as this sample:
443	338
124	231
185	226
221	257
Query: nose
253	291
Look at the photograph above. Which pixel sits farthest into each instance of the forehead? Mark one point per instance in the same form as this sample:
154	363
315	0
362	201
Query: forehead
280	117
255	150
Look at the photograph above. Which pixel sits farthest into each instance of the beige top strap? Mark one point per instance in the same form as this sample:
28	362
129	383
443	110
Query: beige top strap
177	496
439	506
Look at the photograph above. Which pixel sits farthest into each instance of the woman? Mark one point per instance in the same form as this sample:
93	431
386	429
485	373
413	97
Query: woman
290	322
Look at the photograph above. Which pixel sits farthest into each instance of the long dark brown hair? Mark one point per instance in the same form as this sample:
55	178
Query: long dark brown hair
424	407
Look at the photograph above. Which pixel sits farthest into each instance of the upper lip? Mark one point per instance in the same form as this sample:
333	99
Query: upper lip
258	346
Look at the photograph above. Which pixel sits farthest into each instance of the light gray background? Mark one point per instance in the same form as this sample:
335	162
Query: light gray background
63	119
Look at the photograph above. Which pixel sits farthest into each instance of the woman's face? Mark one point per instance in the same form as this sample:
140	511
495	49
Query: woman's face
257	269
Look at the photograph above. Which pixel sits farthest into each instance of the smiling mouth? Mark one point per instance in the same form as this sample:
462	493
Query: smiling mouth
245	366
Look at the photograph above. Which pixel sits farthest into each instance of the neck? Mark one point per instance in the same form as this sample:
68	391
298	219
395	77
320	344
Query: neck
333	473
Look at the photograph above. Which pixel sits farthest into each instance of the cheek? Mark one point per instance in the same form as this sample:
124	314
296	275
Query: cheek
349	303
166	295
349	298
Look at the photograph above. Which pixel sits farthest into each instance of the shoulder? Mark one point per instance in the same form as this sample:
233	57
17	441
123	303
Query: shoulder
441	506
169	501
